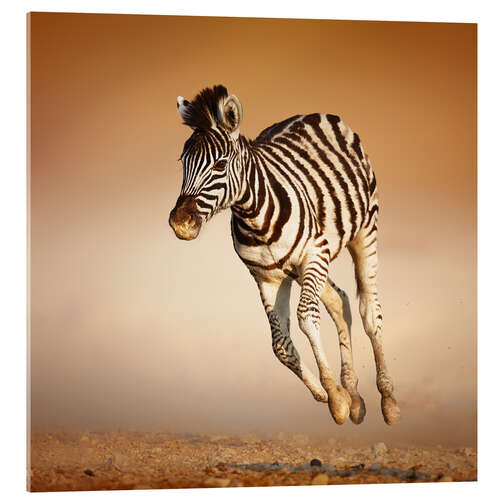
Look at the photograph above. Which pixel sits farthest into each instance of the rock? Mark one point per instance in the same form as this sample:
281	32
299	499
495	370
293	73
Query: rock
315	462
467	452
217	482
89	472
379	448
446	479
319	479
358	467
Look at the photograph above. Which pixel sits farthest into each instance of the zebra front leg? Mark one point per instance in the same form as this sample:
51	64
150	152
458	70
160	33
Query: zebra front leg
276	300
363	250
313	280
336	302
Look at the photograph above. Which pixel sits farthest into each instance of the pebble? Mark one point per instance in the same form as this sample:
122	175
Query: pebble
109	464
319	479
315	462
446	479
379	448
89	472
217	482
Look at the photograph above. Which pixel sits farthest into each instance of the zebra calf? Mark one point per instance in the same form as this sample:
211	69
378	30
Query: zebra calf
299	193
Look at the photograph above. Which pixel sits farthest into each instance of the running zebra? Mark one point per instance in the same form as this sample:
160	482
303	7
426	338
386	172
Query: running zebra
299	193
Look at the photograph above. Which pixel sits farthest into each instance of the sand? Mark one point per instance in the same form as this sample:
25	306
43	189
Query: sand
71	461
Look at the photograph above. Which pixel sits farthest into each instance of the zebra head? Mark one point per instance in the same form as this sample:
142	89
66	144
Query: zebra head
210	159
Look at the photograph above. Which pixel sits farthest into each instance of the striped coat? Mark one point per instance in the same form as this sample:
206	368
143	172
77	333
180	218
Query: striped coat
299	193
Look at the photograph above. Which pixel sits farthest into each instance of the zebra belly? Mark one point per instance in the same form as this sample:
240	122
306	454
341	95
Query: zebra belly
269	262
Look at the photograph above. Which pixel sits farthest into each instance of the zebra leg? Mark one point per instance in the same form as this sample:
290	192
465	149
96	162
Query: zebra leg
313	280
276	300
363	250
336	302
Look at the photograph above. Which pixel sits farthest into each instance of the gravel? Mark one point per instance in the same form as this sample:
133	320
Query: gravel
379	448
142	460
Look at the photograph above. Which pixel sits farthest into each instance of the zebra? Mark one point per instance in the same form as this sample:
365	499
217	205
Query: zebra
299	193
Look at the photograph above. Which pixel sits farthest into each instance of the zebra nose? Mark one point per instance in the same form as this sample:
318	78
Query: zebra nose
184	218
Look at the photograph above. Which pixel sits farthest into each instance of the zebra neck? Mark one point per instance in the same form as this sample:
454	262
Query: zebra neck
253	187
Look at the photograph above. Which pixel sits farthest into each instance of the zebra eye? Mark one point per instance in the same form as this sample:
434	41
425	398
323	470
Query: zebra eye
219	166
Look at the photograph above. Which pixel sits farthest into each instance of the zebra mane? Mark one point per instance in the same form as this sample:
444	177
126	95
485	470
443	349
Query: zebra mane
203	111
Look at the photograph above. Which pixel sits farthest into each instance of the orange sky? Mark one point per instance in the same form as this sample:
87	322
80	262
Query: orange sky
132	328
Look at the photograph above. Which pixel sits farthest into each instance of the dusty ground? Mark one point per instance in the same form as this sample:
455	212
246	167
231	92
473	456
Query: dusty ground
138	460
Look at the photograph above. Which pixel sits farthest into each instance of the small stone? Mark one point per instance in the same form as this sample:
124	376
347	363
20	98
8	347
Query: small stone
315	462
319	479
379	448
89	472
358	467
109	464
446	479
217	482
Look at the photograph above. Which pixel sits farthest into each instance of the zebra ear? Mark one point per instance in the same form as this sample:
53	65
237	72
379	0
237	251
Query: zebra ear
182	106
230	115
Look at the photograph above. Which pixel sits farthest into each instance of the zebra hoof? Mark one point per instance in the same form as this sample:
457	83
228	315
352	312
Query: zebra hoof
339	402
390	410
358	410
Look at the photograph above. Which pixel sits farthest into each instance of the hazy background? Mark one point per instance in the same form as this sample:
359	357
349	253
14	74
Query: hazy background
131	328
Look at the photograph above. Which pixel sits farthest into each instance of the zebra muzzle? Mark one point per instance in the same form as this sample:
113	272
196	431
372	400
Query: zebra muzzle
184	218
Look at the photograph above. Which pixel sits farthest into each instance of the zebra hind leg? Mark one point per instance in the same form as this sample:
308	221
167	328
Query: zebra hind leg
336	302
363	250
